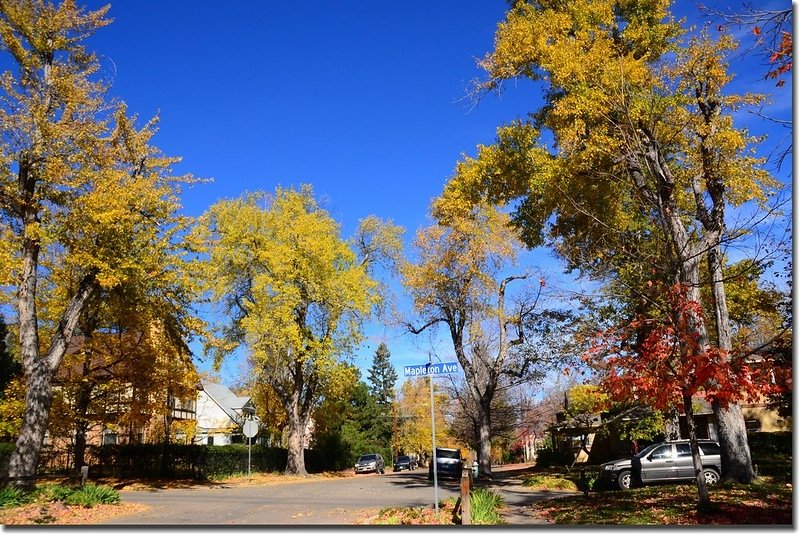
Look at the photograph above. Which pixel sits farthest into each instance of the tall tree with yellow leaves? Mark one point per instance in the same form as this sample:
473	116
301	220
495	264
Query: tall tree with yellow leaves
83	194
413	413
293	291
643	146
460	281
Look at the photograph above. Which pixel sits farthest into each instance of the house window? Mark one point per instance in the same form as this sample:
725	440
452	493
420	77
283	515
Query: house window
210	441
752	425
109	437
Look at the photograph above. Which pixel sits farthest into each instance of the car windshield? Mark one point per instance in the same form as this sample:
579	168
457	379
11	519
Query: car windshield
403	459
367	458
448	454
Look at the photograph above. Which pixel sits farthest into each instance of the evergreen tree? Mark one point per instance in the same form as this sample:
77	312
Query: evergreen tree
382	376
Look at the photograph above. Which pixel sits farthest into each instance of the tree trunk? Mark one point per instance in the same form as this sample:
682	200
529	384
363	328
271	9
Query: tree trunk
484	441
704	500
79	449
736	460
25	457
673	425
737	464
687	250
296	424
39	370
81	424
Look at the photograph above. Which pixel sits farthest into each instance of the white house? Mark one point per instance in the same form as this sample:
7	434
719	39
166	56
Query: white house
220	415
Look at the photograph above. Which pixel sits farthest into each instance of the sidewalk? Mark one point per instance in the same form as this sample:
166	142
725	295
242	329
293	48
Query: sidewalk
520	500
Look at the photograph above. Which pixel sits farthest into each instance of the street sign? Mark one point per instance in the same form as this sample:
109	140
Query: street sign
433	368
250	428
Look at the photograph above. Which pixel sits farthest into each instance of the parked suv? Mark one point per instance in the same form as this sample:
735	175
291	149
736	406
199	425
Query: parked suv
666	461
371	462
404	461
448	463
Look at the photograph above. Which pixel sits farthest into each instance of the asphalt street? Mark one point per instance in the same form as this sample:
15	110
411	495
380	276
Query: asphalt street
334	501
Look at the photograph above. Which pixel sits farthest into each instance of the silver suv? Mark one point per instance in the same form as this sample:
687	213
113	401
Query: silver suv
663	462
371	462
449	463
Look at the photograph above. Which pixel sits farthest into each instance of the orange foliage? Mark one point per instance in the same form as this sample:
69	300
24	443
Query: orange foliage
660	360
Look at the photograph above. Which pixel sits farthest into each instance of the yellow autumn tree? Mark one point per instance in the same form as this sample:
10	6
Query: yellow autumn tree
413	413
291	290
464	278
635	144
84	196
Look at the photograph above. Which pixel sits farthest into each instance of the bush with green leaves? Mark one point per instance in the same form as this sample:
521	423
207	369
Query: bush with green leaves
55	492
485	507
13	496
90	495
86	496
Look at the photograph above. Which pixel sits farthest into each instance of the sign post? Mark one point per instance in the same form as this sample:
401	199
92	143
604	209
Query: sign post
431	369
250	429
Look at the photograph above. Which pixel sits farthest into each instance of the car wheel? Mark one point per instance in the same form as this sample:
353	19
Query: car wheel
624	480
710	476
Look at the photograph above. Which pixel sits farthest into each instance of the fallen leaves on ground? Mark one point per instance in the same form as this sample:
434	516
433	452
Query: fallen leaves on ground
56	513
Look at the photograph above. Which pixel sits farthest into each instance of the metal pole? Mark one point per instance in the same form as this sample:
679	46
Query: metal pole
433	435
249	445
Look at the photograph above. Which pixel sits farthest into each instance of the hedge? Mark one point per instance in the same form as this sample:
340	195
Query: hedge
547	457
194	461
766	443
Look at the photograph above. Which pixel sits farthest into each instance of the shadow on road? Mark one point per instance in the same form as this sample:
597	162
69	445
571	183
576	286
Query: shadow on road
420	480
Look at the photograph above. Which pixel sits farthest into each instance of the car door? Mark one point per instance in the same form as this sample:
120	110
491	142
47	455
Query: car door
684	465
660	464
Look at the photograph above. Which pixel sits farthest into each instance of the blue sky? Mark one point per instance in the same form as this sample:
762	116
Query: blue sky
362	99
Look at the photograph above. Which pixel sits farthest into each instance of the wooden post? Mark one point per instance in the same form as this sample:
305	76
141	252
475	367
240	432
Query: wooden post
466	486
84	474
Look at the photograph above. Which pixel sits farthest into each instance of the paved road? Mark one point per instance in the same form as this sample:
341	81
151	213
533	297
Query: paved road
327	501
336	501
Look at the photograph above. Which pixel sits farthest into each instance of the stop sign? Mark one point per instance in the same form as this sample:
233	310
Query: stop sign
250	428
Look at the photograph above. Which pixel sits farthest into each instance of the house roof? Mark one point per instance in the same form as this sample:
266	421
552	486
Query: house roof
227	400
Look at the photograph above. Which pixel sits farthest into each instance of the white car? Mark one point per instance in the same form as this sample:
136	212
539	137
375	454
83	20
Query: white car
371	462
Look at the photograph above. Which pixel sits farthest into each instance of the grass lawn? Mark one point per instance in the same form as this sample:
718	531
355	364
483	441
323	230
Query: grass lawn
766	502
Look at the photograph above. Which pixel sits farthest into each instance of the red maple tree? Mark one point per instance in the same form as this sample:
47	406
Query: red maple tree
659	361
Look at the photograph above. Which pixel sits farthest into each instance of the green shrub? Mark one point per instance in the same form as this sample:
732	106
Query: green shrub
196	461
764	443
13	496
55	493
90	495
485	505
